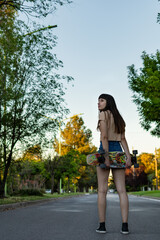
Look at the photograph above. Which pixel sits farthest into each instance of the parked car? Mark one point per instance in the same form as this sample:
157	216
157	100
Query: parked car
111	190
48	191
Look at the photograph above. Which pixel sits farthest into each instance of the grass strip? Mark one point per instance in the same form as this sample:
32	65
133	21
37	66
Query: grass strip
17	199
155	193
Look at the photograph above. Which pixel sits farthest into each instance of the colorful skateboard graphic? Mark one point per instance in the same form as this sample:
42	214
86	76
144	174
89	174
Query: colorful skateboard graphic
117	159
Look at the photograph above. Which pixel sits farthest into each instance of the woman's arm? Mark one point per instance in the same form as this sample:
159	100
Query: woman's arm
104	138
126	150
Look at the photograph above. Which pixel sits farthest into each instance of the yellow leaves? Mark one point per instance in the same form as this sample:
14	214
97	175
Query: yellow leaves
75	136
158	154
147	159
74	180
33	154
82	169
1	174
31	157
154	181
6	10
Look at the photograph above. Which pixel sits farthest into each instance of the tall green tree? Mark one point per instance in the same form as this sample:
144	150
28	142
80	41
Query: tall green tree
54	168
30	86
70	166
87	177
66	166
145	85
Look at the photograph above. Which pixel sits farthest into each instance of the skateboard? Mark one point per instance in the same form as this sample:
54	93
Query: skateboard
117	159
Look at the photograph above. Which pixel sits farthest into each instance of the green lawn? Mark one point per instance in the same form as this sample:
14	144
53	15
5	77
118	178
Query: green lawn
16	199
155	193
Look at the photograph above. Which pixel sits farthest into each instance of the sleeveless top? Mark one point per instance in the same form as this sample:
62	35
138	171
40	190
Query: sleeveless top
111	134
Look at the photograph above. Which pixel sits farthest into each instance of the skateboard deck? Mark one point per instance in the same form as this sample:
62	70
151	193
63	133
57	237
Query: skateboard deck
117	159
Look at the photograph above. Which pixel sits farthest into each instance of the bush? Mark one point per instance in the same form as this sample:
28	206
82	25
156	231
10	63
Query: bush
29	192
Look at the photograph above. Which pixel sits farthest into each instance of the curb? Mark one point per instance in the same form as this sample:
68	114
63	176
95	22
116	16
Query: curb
148	197
13	206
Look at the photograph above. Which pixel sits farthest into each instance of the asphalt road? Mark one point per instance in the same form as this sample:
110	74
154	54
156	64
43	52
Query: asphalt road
76	219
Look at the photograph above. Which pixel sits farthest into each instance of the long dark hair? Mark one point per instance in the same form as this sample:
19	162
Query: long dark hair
111	105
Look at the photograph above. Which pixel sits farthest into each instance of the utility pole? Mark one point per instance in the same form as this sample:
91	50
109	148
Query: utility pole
156	171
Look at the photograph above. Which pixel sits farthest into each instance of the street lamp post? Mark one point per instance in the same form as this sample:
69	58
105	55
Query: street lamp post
40	29
156	171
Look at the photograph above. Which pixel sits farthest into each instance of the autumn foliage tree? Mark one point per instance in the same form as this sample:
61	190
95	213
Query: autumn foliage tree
75	136
144	176
76	144
33	153
147	160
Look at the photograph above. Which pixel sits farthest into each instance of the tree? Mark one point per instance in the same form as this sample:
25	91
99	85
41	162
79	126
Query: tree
36	8
70	166
53	167
147	160
135	178
145	85
6	11
87	177
26	173
76	136
29	88
65	167
33	154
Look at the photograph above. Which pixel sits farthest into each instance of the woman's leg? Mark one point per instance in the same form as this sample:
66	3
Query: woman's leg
102	176
119	179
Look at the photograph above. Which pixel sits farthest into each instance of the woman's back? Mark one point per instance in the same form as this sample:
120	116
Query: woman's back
107	116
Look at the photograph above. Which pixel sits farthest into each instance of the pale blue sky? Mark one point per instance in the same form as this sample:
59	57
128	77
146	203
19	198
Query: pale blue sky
97	40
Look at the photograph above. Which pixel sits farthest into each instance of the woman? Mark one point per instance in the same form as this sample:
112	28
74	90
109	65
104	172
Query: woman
112	137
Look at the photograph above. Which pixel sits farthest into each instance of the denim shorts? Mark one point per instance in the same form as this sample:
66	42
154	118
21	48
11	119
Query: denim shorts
114	146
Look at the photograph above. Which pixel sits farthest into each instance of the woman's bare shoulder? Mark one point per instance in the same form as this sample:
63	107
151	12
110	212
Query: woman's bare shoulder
104	115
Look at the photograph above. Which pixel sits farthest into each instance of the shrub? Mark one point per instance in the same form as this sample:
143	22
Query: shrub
29	192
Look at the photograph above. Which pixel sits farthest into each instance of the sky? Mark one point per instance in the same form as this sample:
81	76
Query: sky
97	40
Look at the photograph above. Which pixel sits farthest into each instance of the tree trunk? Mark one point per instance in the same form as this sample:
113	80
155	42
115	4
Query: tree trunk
2	191
52	184
2	185
68	184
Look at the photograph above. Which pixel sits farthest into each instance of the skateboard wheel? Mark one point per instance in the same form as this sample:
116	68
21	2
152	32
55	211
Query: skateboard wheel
136	165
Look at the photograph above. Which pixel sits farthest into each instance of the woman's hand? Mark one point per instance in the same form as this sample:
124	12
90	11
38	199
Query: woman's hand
128	162
107	162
